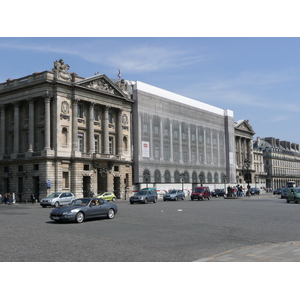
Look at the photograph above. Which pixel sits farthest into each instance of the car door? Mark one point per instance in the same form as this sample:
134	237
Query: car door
62	199
98	210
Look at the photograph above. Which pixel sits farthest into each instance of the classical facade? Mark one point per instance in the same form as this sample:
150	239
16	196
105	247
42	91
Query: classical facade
62	132
281	161
179	141
249	161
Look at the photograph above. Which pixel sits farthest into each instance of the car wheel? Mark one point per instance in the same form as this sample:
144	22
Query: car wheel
113	199
182	198
192	199
155	199
110	213
146	200
43	206
217	196
79	217
131	202
287	201
56	204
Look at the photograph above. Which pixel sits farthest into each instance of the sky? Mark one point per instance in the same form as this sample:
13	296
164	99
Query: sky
255	77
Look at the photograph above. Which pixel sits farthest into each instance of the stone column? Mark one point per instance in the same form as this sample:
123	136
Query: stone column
105	131
2	131
171	141
204	146
91	129
75	125
47	121
151	146
180	142
161	139
189	144
31	125
119	133
16	127
197	146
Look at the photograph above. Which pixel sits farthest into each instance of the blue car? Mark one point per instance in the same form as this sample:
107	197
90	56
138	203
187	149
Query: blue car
84	208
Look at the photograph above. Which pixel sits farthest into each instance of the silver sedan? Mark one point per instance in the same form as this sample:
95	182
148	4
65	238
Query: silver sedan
84	208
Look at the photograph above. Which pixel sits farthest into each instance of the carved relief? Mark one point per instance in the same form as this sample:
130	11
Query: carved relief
102	85
125	119
65	107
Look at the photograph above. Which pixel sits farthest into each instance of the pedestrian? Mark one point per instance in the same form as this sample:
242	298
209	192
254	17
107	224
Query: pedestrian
7	199
92	194
1	199
32	197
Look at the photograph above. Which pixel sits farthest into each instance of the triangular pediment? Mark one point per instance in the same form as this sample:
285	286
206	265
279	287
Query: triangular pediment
101	83
244	126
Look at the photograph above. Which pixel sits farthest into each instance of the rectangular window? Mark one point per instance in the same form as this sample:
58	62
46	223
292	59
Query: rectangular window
145	127
176	134
66	179
80	142
156	129
166	132
156	152
96	137
80	111
110	117
96	113
111	140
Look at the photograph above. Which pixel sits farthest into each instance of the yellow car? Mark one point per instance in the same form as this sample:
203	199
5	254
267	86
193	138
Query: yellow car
108	196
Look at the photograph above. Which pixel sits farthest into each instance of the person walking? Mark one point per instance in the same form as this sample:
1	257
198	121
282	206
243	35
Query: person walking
32	197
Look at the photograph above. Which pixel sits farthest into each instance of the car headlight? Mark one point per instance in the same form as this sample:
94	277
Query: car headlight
67	212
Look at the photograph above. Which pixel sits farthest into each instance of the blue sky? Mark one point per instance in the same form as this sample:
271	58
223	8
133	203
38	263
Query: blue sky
257	78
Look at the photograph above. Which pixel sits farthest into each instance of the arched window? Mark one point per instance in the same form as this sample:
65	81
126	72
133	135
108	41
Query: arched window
216	177
157	176
209	177
176	177
167	176
125	143
64	136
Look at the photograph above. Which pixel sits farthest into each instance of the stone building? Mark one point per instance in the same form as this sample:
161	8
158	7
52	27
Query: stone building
281	161
62	132
180	142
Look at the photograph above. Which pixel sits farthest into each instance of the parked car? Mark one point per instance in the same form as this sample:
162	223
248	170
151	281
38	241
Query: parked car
218	193
108	196
200	193
143	196
284	193
277	191
57	199
174	195
84	208
293	194
254	191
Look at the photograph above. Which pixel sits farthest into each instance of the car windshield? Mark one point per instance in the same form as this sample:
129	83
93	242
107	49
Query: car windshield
199	190
172	192
141	193
297	190
82	202
54	195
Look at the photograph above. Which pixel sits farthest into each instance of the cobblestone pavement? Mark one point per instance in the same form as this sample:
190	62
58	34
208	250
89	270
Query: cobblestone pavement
267	252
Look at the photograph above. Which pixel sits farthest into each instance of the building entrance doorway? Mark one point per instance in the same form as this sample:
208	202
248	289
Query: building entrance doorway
36	187
86	186
117	187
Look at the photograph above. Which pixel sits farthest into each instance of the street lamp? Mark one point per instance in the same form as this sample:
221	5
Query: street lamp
182	176
201	179
224	180
146	175
247	175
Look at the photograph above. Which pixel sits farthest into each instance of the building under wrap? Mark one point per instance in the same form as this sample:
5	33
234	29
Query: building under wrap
175	135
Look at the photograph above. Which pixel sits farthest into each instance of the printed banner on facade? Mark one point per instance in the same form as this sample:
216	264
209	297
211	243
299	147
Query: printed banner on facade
145	149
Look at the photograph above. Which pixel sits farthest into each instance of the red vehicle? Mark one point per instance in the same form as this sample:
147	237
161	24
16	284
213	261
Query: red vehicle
200	193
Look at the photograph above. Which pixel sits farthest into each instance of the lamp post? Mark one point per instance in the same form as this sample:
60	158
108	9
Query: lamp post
182	176
146	175
224	180
201	179
247	176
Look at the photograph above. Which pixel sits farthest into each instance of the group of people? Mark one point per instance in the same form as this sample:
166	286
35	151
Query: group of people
6	199
236	191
